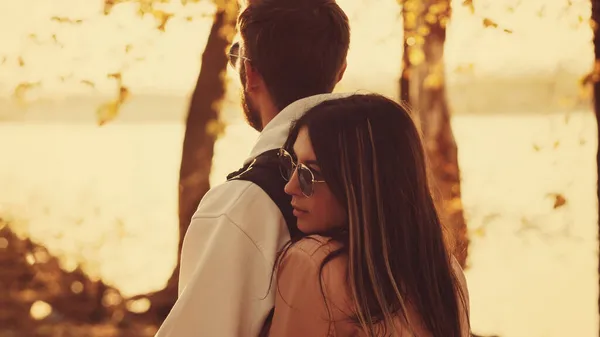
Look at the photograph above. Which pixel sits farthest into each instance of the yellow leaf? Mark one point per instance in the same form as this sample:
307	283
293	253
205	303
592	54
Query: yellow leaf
116	76
215	128
479	231
123	94
416	56
433	81
465	69
438	8
489	23
412	6
559	200
22	89
410	20
88	83
162	18
423	30
107	112
228	32
108	5
65	20
469	4
21	62
586	92
566	102
454	205
541	12
431	18
444	21
419	40
593	25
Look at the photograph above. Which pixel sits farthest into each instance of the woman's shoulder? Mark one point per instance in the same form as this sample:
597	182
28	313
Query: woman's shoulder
311	254
314	247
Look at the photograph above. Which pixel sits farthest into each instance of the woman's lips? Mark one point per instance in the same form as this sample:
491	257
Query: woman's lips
298	211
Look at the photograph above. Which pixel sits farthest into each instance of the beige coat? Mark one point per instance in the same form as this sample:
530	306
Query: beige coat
300	309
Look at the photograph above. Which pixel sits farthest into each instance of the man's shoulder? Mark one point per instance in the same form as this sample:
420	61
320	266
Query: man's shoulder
239	200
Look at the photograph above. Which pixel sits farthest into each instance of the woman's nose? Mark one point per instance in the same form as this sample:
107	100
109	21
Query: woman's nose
293	186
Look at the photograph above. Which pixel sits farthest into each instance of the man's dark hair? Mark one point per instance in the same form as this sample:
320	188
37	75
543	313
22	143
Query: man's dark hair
297	46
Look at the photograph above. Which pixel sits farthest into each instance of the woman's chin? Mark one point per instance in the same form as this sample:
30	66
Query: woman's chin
305	227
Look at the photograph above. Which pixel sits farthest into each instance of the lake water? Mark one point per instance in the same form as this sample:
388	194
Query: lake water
106	197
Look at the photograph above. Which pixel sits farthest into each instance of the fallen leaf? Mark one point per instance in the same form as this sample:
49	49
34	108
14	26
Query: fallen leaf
63	19
162	17
489	23
22	89
559	200
469	4
88	83
116	76
123	94
107	112
479	231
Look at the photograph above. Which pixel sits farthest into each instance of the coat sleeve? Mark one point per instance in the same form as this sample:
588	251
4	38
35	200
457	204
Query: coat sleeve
226	267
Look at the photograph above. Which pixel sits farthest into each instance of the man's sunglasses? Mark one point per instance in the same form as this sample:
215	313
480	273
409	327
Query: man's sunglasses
234	55
306	178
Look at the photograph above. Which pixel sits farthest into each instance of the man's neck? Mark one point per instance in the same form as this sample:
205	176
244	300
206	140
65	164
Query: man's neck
268	111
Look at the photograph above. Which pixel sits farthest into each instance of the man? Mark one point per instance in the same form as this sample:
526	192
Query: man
291	55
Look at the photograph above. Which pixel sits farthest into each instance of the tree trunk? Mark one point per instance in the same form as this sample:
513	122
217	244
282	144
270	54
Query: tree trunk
198	144
596	82
424	84
405	77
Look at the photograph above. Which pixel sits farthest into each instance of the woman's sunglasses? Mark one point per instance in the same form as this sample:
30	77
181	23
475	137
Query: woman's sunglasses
306	178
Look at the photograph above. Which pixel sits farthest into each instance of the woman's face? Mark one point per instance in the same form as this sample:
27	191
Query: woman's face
321	211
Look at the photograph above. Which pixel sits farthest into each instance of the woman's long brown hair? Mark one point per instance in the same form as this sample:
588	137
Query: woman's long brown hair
371	155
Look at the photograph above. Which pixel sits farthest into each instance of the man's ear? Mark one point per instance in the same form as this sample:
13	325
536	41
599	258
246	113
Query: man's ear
253	78
342	71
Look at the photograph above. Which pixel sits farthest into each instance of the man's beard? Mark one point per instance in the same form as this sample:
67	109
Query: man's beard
251	114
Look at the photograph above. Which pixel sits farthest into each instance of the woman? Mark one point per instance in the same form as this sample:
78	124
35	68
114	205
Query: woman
374	261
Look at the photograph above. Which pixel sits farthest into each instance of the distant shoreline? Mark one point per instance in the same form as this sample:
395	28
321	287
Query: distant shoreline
484	96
